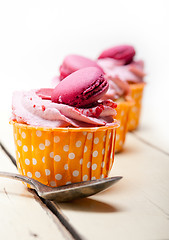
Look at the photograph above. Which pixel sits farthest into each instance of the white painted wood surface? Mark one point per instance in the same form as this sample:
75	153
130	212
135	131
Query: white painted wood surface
22	214
31	50
154	127
135	208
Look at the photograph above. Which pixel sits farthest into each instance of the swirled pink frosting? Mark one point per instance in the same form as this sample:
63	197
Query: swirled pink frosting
119	75
36	108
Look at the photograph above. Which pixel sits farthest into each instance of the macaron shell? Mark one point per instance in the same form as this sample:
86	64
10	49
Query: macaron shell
122	52
81	88
72	63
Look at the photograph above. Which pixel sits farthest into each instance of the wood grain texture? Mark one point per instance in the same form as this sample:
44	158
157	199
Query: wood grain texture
135	208
35	38
23	215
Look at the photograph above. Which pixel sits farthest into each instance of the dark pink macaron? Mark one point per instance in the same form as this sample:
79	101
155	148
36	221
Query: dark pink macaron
122	52
81	88
72	63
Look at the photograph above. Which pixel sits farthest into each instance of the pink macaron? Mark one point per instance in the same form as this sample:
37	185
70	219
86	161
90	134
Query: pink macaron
72	63
81	88
122	52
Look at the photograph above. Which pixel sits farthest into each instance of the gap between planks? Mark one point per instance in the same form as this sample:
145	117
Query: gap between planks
49	204
148	143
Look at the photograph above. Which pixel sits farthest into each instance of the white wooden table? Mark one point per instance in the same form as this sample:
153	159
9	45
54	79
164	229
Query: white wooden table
35	37
137	207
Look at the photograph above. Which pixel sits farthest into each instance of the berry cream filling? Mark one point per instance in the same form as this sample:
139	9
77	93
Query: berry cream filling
35	108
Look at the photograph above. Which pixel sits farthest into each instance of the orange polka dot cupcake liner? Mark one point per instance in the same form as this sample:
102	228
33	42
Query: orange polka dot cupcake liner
134	115
61	156
123	111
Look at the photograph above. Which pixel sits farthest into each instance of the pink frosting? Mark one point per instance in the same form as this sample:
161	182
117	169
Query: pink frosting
35	108
119	75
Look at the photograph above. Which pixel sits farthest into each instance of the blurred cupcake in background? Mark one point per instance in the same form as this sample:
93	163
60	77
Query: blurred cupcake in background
72	63
118	90
119	63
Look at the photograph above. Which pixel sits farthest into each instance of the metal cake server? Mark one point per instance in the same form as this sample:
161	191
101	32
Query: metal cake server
67	192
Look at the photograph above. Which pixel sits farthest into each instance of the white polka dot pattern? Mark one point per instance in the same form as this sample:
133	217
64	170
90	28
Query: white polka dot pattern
93	178
81	161
25	148
23	135
66	148
47	172
66	166
78	144
75	173
58	176
103	151
53	184
95	153
19	143
68	182
71	156
96	140
27	161
29	174
123	109
89	136
47	143
41	146
61	158
34	161
134	115
56	139
38	133
85	177
94	166
57	158
88	164
37	174
85	149
51	154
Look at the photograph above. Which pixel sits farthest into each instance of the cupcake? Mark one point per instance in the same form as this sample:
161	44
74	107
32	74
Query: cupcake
120	63
65	134
72	63
118	90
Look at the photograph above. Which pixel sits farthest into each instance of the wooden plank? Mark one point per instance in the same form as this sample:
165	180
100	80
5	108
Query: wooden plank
6	133
135	208
6	137
23	215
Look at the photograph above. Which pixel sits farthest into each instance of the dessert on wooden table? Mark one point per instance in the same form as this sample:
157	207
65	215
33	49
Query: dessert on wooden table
65	134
